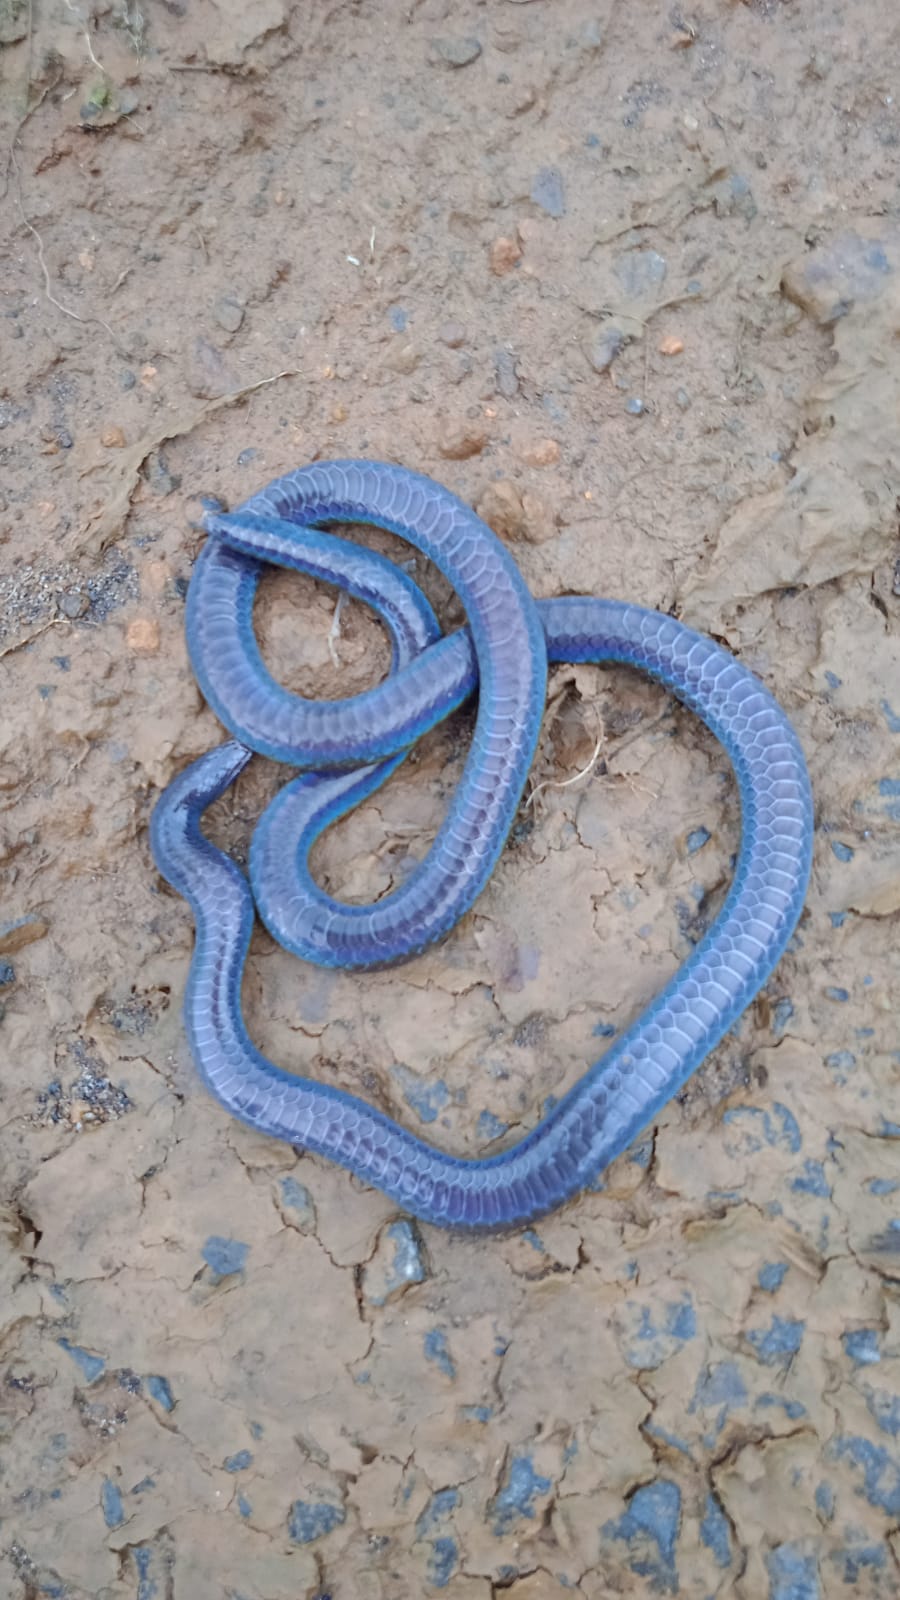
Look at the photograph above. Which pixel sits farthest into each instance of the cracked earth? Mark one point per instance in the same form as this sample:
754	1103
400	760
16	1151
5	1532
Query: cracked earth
627	279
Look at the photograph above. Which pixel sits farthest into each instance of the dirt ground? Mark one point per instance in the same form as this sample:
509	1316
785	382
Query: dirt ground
627	278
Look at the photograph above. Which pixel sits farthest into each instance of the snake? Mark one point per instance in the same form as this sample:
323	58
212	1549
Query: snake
346	748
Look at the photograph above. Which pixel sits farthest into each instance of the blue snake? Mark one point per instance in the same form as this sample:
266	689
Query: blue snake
347	748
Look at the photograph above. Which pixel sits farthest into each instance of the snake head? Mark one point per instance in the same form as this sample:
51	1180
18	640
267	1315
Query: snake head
175	823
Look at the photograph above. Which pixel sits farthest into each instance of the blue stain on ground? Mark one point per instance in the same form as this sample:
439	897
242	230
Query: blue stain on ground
837	994
436	1349
427	1100
477	1413
715	1531
837	918
721	1388
782	1011
111	1504
298	1198
825	1501
697	839
309	1520
883	1185
91	1366
672	1439
243	1505
224	1256
863	1346
772	1275
548	193
407	1265
841	1063
148	1588
791	1408
604	1030
890	717
443	1561
399	318
650	1528
648	1340
158	1390
144	1485
853	1558
490	1127
793	1574
844	852
880	1472
439	1508
777	1128
535	1240
776	1344
516	1497
812	1181
885	1408
238	1462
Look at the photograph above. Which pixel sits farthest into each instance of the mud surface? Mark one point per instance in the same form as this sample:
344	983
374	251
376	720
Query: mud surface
628	279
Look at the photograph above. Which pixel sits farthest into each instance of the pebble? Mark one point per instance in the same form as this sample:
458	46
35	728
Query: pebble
543	453
72	603
113	439
733	196
605	345
671	345
404	360
505	375
641	272
635	407
452	334
458	444
142	635
228	313
513	515
505	254
682	399
547	192
457	52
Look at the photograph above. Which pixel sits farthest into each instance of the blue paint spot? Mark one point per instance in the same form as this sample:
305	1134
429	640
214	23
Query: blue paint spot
535	1240
697	839
890	717
436	1350
158	1390
490	1127
298	1198
837	918
62	662
842	851
881	1474
477	1413
885	1408
224	1256
715	1531
91	1366
782	1011
793	1575
438	1509
144	1485
426	1099
147	1588
256	1430
884	1185
665	1437
309	1520
852	1559
772	1275
777	1343
548	193
777	1128
640	1154
243	1505
443	1561
399	318
407	1265
516	1497
863	1346
237	1462
842	1062
7	974
889	786
647	1343
832	680
840	996
825	1501
45	690
604	1030
813	1180
720	1387
791	1408
650	1528
111	1504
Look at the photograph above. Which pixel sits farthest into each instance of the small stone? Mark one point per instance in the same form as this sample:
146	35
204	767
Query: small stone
404	360
543	453
505	255
7	974
458	444
733	196
142	635
21	931
505	375
634	407
398	1262
547	192
641	273
671	345
682	399
606	344
501	508
113	439
539	522
452	334
229	313
73	603
458	52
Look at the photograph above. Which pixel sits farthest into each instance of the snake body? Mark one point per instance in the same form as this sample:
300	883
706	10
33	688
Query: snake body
349	747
